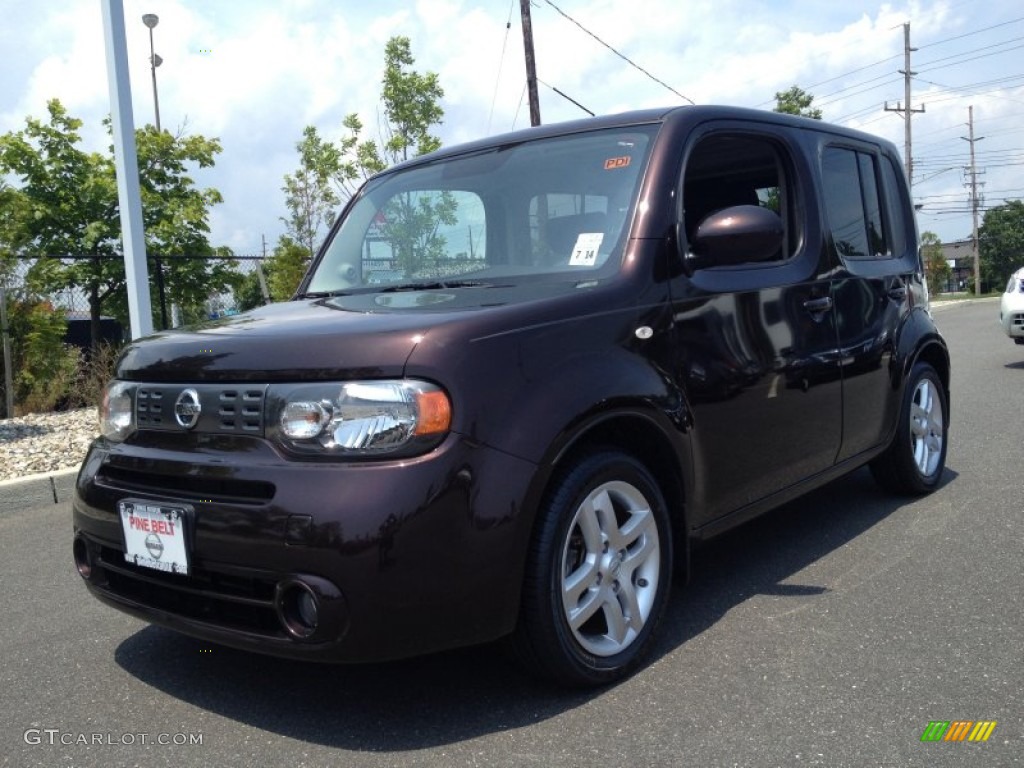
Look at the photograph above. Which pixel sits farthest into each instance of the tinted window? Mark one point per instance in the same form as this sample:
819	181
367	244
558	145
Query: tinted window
570	227
872	204
893	184
726	170
550	210
853	204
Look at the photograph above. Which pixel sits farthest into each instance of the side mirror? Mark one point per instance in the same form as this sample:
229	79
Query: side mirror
736	235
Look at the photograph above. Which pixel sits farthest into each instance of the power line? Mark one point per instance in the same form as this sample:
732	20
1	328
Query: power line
844	92
929	64
620	55
968	34
897	56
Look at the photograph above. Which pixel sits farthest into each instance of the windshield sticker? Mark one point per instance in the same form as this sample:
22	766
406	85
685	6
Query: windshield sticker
584	254
616	162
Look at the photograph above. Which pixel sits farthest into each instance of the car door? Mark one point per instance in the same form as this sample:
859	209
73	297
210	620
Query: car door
755	343
876	264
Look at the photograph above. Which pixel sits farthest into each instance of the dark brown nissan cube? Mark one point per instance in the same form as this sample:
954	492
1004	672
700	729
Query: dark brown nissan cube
522	378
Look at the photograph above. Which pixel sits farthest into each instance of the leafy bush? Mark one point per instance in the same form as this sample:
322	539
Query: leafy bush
95	369
44	367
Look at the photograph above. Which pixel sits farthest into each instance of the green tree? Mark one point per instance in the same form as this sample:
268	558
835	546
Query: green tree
1001	243
936	268
13	215
411	107
796	101
329	174
285	268
69	202
176	219
69	218
309	192
410	104
249	294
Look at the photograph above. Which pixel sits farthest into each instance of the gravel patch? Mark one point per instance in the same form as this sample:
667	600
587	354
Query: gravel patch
45	442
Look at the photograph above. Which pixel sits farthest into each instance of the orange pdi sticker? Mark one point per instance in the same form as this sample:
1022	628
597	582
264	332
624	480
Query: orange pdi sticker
616	162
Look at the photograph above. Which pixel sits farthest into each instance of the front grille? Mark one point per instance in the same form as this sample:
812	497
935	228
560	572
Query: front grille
223	410
226	600
241	410
1017	320
224	489
149	408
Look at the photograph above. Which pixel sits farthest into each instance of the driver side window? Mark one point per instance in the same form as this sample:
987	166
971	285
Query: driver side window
726	170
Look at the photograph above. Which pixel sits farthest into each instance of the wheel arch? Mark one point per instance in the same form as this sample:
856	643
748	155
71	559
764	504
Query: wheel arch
937	357
919	339
638	433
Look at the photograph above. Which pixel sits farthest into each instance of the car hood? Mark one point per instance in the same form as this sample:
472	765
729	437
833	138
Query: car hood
297	340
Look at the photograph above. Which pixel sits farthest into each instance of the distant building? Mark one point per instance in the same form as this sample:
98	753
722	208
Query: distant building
79	332
960	257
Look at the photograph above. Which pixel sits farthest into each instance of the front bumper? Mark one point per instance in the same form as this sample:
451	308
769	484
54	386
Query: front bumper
403	557
1013	324
1011	314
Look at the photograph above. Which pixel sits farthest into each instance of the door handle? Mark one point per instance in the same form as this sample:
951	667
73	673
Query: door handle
818	305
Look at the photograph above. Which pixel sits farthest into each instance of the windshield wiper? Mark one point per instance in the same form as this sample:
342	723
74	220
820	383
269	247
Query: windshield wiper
435	285
335	292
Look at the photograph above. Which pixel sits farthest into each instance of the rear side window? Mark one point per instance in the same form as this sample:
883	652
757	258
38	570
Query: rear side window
897	227
854	205
571	226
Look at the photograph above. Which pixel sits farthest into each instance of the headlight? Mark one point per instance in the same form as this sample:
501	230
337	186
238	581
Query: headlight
360	418
116	414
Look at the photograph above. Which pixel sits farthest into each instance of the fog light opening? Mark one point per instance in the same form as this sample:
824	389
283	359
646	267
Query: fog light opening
300	610
83	561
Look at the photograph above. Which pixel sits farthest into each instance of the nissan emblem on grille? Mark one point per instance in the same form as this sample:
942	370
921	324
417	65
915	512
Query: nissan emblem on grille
187	408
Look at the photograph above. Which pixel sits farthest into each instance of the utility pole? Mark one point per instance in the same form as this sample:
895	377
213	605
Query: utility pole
259	272
974	202
531	63
905	108
5	331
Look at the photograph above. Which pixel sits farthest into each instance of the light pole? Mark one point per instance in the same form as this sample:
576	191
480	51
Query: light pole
151	20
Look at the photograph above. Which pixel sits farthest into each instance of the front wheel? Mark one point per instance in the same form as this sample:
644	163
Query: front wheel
598	573
914	462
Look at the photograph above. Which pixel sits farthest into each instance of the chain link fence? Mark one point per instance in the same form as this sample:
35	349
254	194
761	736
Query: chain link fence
74	300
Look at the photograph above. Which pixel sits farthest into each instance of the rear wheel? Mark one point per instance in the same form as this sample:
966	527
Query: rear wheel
598	573
914	462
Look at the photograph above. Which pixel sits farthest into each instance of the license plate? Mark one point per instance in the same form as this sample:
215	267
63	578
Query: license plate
154	535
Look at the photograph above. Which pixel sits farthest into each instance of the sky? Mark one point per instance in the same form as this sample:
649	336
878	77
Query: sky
254	73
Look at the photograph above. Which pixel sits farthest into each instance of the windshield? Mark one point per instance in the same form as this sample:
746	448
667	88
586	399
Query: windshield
549	210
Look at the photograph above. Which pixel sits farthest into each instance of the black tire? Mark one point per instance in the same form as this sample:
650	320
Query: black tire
914	461
597	573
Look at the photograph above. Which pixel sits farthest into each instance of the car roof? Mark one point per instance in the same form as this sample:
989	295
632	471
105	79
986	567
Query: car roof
680	114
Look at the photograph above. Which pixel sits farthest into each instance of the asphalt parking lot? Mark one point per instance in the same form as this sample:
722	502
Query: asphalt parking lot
829	633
